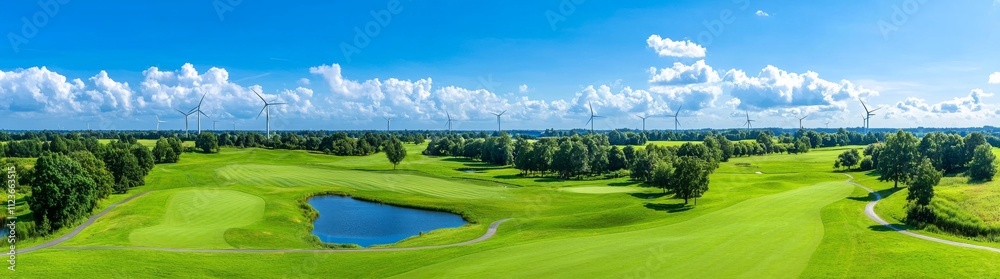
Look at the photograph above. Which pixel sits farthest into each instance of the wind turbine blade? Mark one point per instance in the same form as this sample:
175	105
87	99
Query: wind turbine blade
203	113
502	112
678	112
202	99
588	121
863	105
258	95
591	107
261	111
275	104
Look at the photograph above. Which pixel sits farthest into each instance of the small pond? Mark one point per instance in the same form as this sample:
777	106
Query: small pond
344	220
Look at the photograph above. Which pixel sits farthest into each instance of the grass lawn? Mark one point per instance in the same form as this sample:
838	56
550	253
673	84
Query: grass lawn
769	216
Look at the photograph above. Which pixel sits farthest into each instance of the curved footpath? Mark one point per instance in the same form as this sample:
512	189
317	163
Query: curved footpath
78	229
870	212
490	232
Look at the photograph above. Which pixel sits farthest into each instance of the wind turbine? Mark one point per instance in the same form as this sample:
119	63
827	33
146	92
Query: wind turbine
868	114
213	124
676	116
158	121
199	112
592	116
800	121
498	120
449	121
828	124
643	121
185	114
387	120
266	111
749	122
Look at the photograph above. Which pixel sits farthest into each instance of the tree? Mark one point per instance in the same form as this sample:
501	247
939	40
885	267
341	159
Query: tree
96	170
802	145
972	141
984	164
124	168
61	192
690	178
867	164
394	151
176	145
616	159
726	146
642	167
523	149
848	159
896	161
921	192
207	142
662	173
144	157
160	150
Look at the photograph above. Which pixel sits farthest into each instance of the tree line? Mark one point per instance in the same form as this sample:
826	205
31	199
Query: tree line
72	174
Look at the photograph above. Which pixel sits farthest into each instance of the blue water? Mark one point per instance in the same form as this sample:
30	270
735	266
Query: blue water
344	220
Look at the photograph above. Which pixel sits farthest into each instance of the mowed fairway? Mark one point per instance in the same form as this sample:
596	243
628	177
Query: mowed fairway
766	237
200	218
772	216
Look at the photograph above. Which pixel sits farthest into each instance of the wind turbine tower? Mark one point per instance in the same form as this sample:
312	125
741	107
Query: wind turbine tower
158	121
266	111
749	122
499	131
592	117
185	114
643	121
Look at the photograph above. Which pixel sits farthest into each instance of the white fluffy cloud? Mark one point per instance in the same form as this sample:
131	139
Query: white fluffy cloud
666	47
995	78
681	74
523	88
967	104
776	88
42	91
762	13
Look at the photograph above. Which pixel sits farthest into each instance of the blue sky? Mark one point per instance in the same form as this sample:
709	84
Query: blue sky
117	65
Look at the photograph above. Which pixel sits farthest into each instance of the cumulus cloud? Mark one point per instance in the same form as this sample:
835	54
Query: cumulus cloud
776	88
967	104
762	13
523	88
681	74
995	78
41	91
665	47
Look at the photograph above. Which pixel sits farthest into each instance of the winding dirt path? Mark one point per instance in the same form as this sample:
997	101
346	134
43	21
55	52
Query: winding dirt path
870	212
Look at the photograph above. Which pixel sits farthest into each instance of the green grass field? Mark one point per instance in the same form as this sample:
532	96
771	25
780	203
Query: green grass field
771	216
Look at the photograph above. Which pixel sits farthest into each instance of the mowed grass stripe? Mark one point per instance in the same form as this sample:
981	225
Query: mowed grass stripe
766	237
200	218
297	176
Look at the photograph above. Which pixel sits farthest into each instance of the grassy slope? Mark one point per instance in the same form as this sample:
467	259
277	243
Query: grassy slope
737	229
